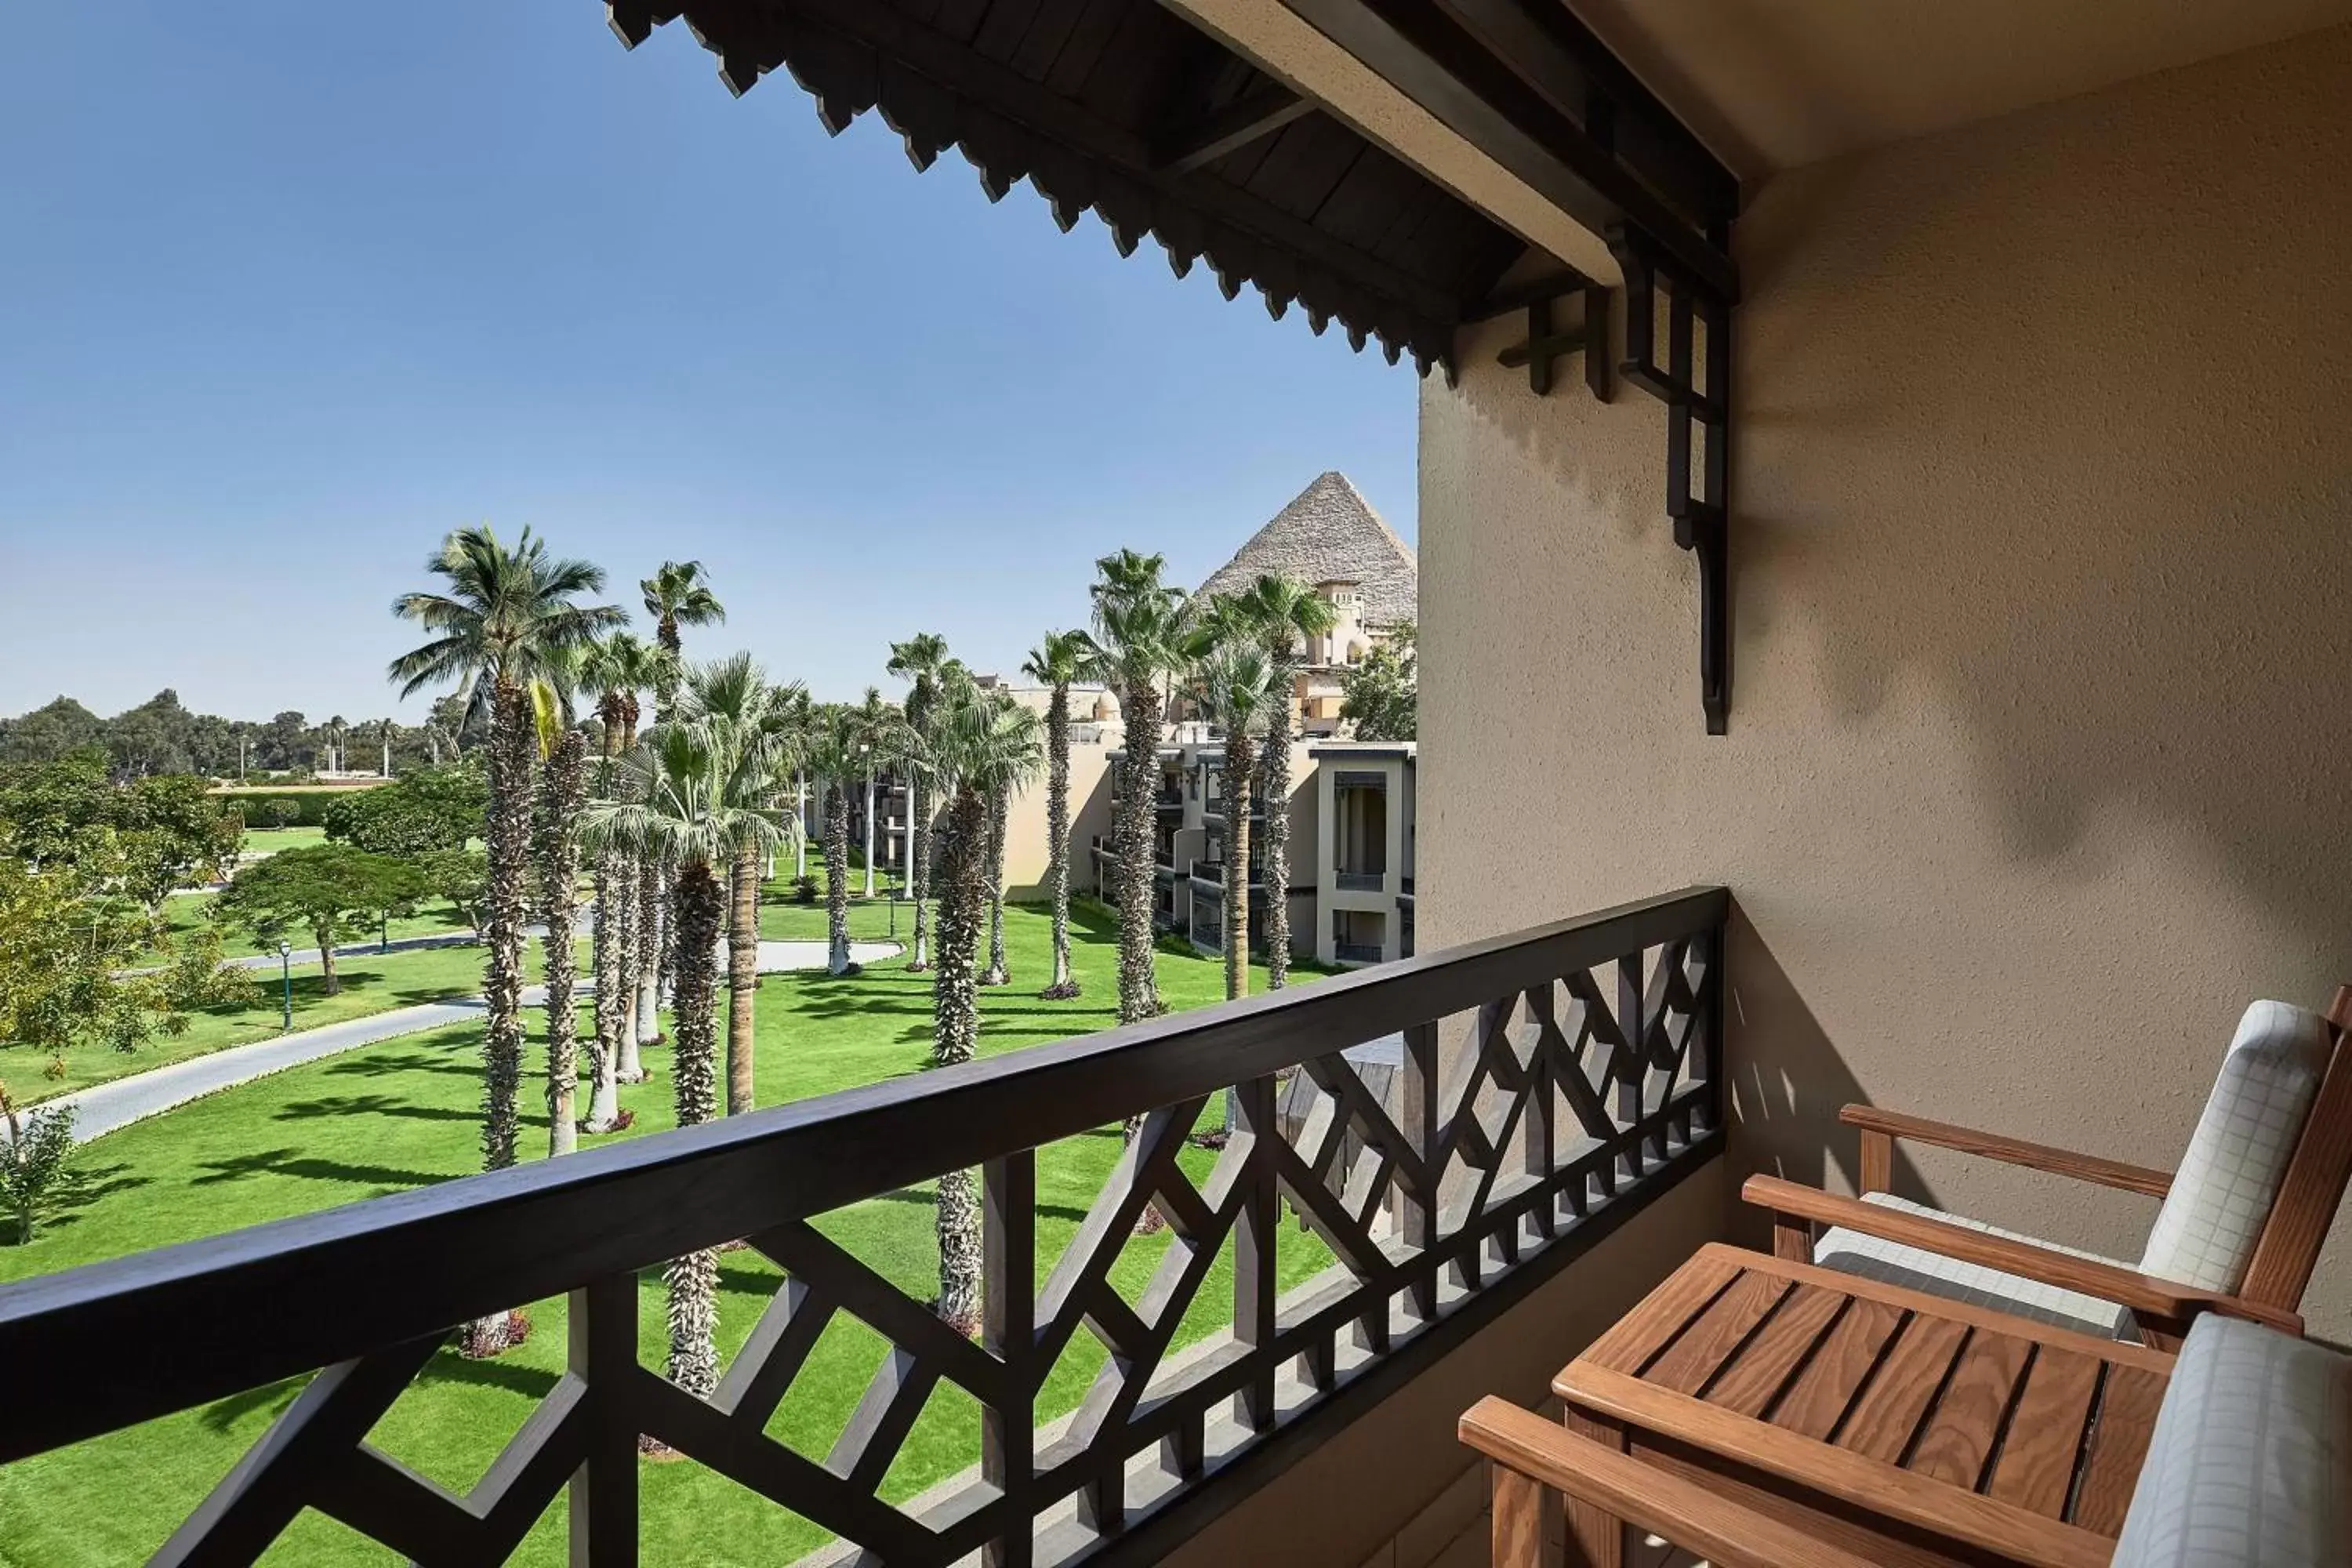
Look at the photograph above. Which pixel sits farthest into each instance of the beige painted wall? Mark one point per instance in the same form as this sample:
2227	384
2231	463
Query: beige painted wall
2037	770
1026	841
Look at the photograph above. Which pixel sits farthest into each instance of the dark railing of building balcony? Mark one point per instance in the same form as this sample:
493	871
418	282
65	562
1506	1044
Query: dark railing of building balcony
1361	882
1584	1059
1358	952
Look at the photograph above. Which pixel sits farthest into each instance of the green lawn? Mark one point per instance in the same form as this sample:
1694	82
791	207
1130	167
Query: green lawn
193	911
369	984
404	1114
268	840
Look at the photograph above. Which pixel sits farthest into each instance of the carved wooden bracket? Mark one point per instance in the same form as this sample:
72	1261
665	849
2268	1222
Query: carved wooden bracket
1694	384
1544	342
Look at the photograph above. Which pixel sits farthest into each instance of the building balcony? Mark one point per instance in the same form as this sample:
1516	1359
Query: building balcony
1186	1417
1361	882
1358	952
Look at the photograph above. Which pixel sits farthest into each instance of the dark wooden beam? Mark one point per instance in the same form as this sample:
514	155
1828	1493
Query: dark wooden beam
1535	290
1239	123
1452	73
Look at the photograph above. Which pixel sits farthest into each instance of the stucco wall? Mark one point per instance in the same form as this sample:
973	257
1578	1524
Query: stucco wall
1027	845
2036	771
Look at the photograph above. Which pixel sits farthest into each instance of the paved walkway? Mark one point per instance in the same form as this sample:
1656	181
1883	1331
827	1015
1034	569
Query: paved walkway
101	1109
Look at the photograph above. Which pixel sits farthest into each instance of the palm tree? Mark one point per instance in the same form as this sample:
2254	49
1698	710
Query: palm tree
1287	615
734	693
1000	809
504	624
879	727
836	754
691	801
617	668
1140	627
678	595
920	660
1056	662
1234	688
987	748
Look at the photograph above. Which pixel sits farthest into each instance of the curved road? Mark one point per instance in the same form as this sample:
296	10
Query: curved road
101	1109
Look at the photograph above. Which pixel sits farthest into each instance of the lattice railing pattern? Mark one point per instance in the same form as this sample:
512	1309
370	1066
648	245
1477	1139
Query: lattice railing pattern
1507	1126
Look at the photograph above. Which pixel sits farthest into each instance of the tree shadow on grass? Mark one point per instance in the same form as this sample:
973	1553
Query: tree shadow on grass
81	1188
512	1377
376	1063
372	1105
294	1163
927	1199
223	1415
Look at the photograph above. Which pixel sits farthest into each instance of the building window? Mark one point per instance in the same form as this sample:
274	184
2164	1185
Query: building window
1360	831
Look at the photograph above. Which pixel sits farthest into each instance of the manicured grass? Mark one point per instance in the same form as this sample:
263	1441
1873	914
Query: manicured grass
193	911
406	1114
268	840
368	986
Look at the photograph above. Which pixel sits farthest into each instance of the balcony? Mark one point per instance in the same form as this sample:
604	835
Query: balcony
1170	1435
1361	882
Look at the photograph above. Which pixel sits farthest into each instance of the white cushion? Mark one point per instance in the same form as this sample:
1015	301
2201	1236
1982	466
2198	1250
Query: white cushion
2250	1462
1919	1269
2205	1234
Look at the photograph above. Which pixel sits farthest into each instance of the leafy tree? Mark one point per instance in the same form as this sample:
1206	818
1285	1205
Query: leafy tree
429	809
65	945
1056	662
64	726
33	1160
922	661
1140	628
329	890
155	834
1381	696
986	748
284	743
281	812
504	627
458	878
1285	614
692	796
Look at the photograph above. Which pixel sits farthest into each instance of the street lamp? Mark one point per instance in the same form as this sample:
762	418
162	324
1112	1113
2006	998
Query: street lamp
286	973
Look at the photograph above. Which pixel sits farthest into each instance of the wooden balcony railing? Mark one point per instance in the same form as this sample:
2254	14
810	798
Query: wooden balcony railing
1585	1056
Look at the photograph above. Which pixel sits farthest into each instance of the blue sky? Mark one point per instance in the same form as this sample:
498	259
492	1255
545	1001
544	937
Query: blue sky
289	288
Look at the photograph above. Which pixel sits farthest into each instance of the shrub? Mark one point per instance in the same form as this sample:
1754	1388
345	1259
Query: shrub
803	889
281	812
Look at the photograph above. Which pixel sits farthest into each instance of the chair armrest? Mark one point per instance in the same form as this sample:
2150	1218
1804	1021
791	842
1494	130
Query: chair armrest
2010	1150
2164	1299
1726	1534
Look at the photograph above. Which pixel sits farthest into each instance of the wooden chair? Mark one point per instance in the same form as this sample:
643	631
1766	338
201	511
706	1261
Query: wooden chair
2257	1272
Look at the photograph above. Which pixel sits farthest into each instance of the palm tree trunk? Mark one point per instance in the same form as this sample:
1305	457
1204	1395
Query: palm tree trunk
869	835
837	878
1057	838
696	903
1000	807
800	815
742	977
955	1037
1276	774
1237	844
563	795
645	1023
616	890
1139	992
513	740
919	833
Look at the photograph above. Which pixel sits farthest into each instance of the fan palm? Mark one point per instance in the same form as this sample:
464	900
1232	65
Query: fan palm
1234	688
881	730
1287	615
1056	662
504	626
987	748
678	595
691	800
1140	626
733	694
837	752
563	796
920	661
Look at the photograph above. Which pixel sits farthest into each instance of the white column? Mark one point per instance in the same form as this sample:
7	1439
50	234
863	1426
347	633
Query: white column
869	836
800	809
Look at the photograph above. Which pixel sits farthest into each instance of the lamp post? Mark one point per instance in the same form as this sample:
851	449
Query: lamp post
286	973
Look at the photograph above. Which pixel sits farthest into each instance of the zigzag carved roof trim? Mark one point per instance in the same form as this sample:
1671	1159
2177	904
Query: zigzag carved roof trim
937	92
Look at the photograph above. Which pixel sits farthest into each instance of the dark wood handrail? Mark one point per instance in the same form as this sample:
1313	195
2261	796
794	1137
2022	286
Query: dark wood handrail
455	1251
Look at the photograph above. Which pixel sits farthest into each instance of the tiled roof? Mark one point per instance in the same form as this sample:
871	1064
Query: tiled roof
1331	533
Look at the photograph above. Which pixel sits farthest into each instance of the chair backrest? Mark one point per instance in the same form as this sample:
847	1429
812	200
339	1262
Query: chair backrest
2313	1185
2247	1157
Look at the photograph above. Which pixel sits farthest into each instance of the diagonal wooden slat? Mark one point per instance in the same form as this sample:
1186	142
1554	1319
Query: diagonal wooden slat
772	1356
883	1416
855	1289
